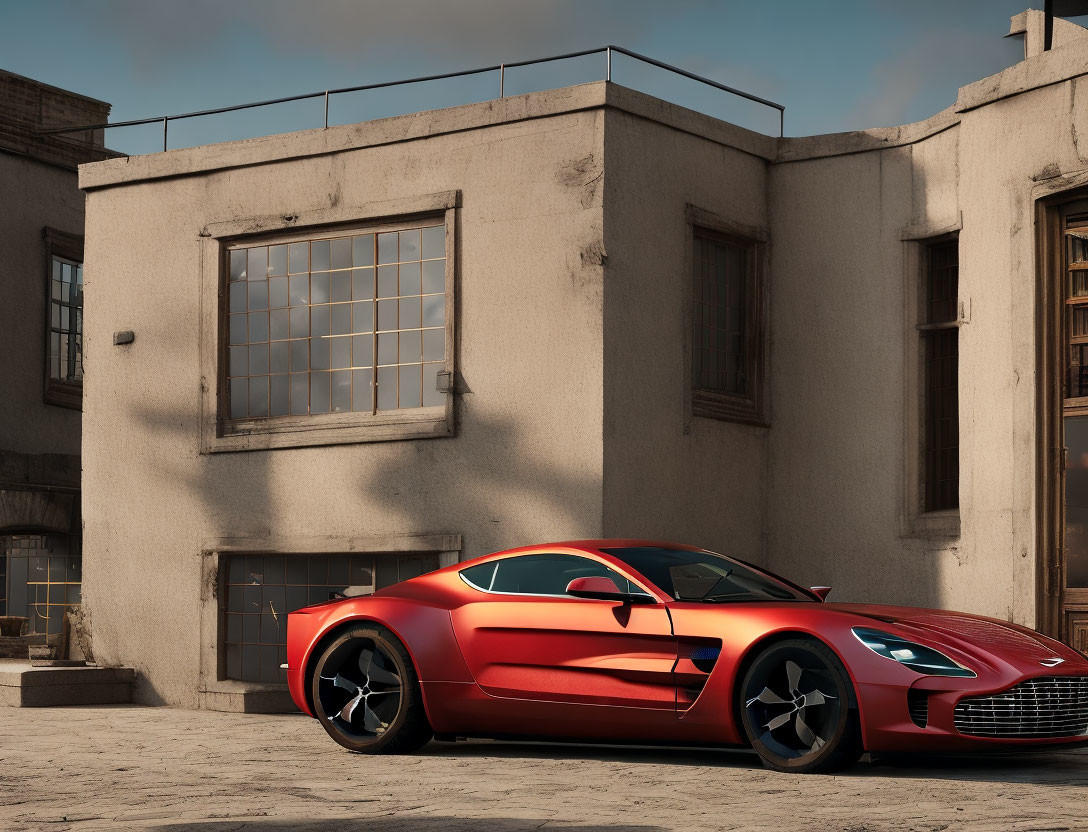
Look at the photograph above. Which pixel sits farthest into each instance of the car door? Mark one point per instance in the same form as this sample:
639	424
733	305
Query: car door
524	638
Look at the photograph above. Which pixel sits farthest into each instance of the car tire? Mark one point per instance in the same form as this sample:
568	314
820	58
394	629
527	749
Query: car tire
798	708
366	693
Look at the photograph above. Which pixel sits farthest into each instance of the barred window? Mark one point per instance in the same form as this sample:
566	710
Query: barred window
262	589
44	575
940	335
726	327
345	322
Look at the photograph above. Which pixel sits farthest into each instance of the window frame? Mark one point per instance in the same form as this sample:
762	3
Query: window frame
220	433
915	521
749	408
57	243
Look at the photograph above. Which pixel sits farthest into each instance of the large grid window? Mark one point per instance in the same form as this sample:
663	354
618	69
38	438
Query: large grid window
44	575
262	589
341	323
940	334
66	320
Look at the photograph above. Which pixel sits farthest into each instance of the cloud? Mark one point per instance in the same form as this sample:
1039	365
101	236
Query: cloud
354	30
937	63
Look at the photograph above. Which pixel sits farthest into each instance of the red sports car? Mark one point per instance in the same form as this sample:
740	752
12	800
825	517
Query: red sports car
637	641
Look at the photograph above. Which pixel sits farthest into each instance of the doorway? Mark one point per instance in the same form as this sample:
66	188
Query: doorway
1063	420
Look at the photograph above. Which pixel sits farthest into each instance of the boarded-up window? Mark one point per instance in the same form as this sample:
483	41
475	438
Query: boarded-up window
726	327
262	589
940	335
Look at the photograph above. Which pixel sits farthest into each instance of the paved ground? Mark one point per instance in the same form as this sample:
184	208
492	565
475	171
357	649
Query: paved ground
124	767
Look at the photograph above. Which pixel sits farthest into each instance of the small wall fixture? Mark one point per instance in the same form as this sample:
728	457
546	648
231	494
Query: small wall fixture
125	336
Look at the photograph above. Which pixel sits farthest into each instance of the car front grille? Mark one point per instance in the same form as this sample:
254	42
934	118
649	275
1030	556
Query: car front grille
1043	708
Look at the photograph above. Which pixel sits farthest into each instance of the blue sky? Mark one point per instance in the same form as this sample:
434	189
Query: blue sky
835	64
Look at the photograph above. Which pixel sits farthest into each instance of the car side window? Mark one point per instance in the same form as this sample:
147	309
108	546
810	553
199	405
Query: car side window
539	574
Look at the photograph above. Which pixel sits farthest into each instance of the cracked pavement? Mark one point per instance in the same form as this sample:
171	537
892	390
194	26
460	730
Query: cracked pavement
129	767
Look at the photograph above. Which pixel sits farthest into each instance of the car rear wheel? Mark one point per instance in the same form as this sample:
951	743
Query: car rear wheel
366	693
798	709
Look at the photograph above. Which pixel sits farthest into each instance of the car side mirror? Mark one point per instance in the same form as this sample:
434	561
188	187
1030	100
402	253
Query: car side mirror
821	591
604	589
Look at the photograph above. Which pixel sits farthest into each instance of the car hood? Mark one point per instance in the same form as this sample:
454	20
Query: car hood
999	638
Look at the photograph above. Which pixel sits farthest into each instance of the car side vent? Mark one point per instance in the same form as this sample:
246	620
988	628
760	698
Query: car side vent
704	656
918	706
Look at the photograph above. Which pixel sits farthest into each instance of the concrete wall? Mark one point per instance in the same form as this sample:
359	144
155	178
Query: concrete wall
525	463
36	195
667	475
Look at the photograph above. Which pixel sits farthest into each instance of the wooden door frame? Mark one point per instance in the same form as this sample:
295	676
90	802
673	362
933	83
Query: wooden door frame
1050	411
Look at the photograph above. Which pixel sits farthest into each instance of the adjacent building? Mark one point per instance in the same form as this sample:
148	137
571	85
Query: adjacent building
340	357
41	356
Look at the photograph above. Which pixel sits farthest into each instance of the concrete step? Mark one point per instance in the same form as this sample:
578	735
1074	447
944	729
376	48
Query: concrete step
24	686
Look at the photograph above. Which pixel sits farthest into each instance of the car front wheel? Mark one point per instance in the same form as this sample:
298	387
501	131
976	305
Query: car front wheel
797	708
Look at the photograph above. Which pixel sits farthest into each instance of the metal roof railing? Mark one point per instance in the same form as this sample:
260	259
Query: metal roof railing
500	68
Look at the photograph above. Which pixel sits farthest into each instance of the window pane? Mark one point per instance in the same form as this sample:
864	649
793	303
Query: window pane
278	353
238	329
279	396
319	320
319	256
237	265
258	359
362	250
362	351
320	388
278	324
410	351
431	396
300	290
362	284
409	386
341	390
434	242
341	286
720	288
387	315
387	248
239	361
434	344
546	574
409	313
319	353
258	396
409	279
300	355
341	319
434	310
409	245
299	257
387	388
277	260
237	297
387	348
362	316
300	321
258	326
258	263
319	287
341	253
340	353
239	398
387	281
361	390
300	393
258	294
277	292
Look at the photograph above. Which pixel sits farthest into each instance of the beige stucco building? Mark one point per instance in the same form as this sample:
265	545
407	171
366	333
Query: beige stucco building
589	313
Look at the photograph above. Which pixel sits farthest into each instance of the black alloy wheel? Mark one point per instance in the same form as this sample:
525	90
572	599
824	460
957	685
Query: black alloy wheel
798	708
366	693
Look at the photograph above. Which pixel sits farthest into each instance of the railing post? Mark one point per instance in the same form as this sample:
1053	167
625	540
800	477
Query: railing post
502	80
326	109
782	123
165	122
608	63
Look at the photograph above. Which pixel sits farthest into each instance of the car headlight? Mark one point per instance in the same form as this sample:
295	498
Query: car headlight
917	657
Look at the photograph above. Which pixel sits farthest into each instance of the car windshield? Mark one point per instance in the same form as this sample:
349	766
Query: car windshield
705	576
